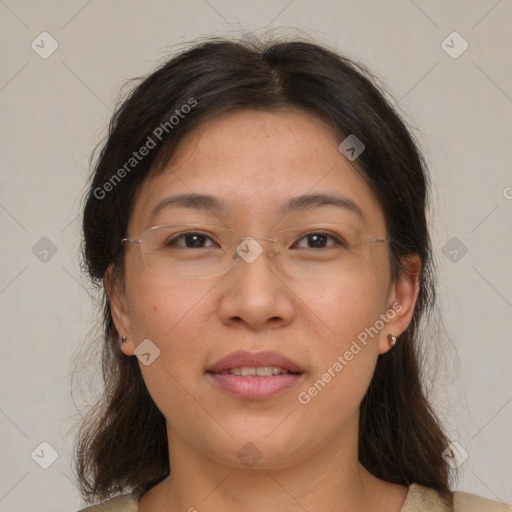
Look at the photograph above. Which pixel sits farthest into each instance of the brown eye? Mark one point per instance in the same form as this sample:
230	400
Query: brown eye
189	240
317	241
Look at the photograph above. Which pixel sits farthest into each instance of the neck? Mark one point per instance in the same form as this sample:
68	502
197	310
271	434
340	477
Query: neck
331	479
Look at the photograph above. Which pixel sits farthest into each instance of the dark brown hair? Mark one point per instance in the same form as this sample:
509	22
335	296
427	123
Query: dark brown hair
122	443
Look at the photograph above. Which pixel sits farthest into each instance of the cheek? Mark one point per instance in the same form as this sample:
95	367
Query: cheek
172	316
346	316
343	309
157	305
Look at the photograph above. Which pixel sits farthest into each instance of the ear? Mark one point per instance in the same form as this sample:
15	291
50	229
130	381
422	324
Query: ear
119	310
401	301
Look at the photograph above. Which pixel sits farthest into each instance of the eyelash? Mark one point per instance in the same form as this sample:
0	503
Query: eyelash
172	241
336	239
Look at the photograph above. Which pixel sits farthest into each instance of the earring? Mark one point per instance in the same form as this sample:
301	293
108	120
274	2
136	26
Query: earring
392	339
123	339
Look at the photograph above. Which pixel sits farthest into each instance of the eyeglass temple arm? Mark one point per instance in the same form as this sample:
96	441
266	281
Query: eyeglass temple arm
131	241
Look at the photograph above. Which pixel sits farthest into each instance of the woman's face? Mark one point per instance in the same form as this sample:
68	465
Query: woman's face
332	327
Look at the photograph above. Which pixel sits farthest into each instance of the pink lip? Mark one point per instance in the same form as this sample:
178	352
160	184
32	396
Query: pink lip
255	388
253	359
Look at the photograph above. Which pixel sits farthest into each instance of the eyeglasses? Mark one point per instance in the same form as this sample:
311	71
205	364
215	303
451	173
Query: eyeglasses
199	251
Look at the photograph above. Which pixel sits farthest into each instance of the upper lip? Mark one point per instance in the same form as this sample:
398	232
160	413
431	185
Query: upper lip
243	358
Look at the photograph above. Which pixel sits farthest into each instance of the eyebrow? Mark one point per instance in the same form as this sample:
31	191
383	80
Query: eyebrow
212	204
308	201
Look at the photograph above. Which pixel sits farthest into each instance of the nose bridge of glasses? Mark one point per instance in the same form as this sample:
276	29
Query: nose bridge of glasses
250	248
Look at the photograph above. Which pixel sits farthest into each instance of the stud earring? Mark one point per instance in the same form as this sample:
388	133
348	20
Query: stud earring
392	339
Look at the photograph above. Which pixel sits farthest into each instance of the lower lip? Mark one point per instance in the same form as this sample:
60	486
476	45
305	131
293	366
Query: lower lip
254	387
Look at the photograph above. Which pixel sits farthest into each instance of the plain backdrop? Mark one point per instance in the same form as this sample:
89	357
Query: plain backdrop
55	108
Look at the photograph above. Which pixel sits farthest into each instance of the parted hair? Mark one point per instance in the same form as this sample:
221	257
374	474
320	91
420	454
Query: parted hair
121	443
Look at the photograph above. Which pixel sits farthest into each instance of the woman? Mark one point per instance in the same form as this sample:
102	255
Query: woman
257	219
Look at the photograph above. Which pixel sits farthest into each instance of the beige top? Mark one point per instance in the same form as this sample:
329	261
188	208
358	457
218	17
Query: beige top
418	499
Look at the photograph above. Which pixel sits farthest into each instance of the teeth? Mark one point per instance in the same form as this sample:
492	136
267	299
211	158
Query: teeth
260	371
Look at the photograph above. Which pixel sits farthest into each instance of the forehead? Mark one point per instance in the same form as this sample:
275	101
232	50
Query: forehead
254	162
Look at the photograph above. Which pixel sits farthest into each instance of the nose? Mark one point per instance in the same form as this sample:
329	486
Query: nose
254	293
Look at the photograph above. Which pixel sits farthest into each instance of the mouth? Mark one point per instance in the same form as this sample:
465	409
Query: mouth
253	371
254	376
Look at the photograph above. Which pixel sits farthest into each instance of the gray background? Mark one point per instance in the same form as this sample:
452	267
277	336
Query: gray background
54	111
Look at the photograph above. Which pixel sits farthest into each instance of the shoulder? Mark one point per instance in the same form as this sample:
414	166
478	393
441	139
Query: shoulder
425	499
466	502
123	503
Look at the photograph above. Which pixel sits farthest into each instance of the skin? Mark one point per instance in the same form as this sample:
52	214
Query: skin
254	161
